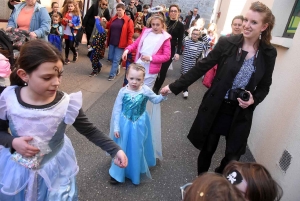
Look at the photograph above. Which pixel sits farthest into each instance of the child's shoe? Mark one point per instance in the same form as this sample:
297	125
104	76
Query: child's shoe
93	74
113	181
75	57
67	61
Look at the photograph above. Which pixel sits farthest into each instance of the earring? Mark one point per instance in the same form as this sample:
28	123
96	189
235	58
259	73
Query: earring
25	83
259	36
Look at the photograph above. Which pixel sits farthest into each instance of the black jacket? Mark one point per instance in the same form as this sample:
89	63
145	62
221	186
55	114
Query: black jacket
224	54
188	21
89	18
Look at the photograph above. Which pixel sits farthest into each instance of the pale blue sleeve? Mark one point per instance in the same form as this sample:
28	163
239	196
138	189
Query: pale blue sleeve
60	30
117	110
152	96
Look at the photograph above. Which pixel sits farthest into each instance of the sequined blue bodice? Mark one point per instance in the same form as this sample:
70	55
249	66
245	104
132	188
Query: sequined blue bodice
134	106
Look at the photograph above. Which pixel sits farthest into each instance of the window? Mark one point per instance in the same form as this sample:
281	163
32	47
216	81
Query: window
293	21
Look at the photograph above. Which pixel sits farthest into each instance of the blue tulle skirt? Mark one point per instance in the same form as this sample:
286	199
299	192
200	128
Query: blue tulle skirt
136	141
54	181
55	40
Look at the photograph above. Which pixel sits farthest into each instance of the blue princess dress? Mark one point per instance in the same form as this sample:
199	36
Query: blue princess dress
131	119
54	177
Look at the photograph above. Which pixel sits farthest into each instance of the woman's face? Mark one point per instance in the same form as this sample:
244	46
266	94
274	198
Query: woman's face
173	13
30	2
156	25
120	12
103	4
253	25
236	26
55	7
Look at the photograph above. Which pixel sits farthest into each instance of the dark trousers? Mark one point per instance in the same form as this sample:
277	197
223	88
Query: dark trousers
163	72
69	46
221	126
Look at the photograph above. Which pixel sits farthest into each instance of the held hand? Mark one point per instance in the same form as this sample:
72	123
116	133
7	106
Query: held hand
124	55
21	145
145	58
121	159
8	29
32	35
97	17
117	134
245	104
176	57
165	91
70	24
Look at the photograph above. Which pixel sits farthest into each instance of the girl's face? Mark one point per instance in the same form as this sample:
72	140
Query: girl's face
55	8
135	79
195	35
253	25
43	82
71	7
237	26
55	21
157	26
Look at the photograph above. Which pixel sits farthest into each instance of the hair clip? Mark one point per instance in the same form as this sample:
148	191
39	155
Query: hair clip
234	177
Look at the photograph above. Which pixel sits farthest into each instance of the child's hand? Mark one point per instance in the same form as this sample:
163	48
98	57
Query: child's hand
117	134
21	145
165	91
120	159
124	55
70	24
145	58
97	17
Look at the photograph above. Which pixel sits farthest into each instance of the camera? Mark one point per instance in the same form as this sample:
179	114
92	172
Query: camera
238	93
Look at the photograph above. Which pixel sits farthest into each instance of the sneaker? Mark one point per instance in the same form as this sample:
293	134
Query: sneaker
67	61
111	78
75	57
113	181
93	74
185	94
90	49
119	70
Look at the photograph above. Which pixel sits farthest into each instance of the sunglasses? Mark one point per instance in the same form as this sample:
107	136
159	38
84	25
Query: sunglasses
104	4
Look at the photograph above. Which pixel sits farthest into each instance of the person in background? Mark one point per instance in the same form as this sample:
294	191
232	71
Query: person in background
30	16
176	30
190	18
212	36
253	180
56	32
138	5
245	64
119	36
114	9
146	14
212	187
138	23
236	25
55	8
71	22
131	7
97	9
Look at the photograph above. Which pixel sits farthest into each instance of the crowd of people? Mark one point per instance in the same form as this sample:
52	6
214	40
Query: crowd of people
40	159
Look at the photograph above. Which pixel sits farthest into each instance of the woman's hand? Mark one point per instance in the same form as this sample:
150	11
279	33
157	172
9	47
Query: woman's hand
145	58
117	134
124	55
8	29
121	159
21	145
165	91
32	35
176	57
245	104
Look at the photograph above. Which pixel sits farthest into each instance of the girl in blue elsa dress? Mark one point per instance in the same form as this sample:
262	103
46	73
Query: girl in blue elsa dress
131	128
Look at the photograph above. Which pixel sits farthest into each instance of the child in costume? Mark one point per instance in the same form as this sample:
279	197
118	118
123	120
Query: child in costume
98	45
37	160
131	128
55	32
72	22
192	50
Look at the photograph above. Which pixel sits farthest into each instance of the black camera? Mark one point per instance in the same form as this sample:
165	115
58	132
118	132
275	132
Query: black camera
238	93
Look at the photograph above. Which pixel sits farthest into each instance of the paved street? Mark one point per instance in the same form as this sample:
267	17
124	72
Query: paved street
179	164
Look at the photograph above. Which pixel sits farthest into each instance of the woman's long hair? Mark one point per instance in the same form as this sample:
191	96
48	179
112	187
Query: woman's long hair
76	11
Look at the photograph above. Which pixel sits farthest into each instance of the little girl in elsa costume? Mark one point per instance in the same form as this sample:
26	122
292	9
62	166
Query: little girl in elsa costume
37	160
131	127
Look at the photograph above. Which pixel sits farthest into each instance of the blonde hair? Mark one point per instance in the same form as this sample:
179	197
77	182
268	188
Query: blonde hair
137	67
269	19
157	16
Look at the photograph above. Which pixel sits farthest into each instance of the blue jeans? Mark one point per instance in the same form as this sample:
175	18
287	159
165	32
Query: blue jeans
114	55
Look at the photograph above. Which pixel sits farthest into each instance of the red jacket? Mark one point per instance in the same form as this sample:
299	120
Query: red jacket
126	34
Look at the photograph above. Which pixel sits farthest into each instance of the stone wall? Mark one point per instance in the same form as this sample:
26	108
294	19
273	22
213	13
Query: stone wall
205	7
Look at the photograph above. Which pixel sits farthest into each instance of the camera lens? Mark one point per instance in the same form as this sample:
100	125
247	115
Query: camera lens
244	95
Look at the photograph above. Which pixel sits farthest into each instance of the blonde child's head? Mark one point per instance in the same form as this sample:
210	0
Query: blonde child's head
135	76
56	18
